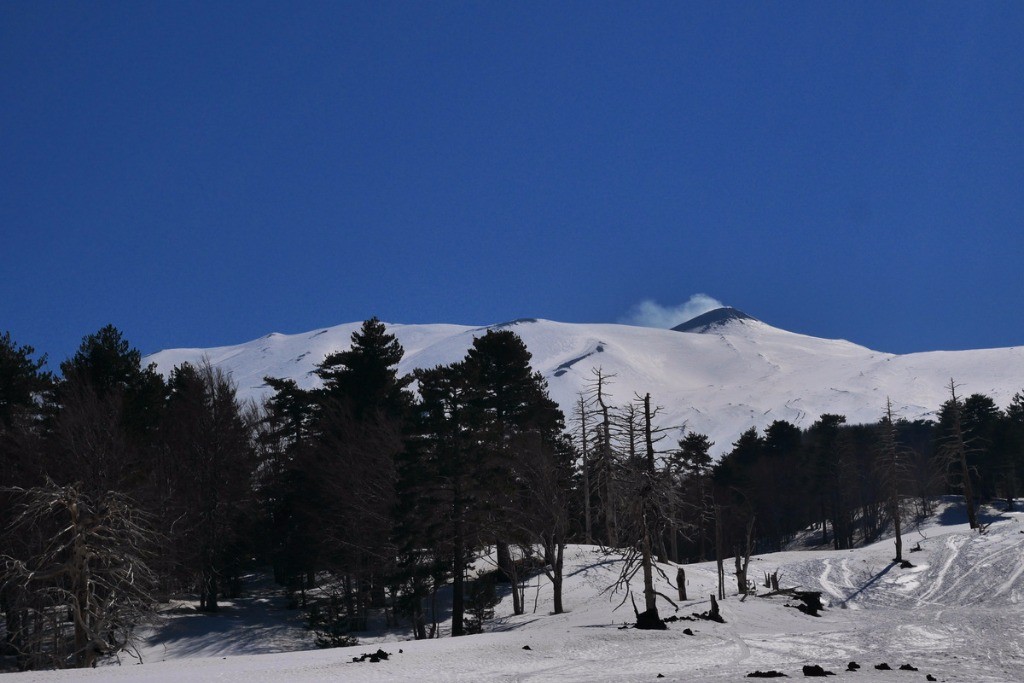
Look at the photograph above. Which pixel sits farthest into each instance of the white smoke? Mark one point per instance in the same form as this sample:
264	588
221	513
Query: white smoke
649	313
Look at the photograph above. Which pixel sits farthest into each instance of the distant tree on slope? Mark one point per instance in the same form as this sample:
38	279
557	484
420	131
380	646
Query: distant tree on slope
892	464
955	449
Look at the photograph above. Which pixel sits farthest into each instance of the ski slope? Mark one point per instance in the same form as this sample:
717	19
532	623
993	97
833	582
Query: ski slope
721	379
956	614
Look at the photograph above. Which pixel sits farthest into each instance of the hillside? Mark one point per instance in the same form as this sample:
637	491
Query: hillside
721	375
956	615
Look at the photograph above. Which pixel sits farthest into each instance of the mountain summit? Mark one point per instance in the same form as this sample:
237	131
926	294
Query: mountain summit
712	320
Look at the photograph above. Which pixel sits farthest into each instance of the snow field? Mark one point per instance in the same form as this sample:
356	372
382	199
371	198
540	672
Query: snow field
957	614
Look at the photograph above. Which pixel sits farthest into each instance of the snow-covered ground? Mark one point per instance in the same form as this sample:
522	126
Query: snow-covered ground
958	615
721	381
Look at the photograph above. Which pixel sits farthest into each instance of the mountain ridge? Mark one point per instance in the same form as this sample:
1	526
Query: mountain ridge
737	373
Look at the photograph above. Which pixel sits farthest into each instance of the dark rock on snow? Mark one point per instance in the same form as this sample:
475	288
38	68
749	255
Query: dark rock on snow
812	670
767	674
373	657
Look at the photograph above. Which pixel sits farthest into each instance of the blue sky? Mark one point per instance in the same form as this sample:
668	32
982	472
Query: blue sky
205	173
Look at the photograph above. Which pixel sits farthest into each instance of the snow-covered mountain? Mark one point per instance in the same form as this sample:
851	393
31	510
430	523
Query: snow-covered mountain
720	373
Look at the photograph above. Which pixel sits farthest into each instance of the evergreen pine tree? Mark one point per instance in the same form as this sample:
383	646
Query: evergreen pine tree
358	428
22	381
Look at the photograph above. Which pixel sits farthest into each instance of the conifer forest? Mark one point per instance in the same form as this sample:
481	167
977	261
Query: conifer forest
372	494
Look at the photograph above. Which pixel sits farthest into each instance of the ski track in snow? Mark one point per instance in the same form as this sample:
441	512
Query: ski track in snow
1007	586
974	565
953	545
843	598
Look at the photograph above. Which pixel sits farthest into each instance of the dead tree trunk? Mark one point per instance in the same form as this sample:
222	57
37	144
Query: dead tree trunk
650	597
743	559
556	577
892	470
651	618
958	449
508	569
588	534
606	463
719	552
712	614
458	581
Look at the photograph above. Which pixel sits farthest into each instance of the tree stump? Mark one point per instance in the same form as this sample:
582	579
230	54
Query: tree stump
712	614
650	621
811	602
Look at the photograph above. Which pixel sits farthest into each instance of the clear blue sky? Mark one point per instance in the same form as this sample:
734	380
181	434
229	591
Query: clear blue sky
202	173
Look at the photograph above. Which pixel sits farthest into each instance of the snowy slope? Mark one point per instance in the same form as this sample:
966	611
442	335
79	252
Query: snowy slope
720	379
956	615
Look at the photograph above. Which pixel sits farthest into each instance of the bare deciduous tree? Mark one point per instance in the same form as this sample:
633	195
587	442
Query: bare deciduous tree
546	478
955	449
605	456
84	582
582	415
647	509
893	471
743	558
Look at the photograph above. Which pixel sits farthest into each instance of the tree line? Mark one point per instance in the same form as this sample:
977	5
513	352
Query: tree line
374	495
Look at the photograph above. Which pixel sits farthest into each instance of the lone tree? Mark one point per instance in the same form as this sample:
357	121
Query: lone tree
646	511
